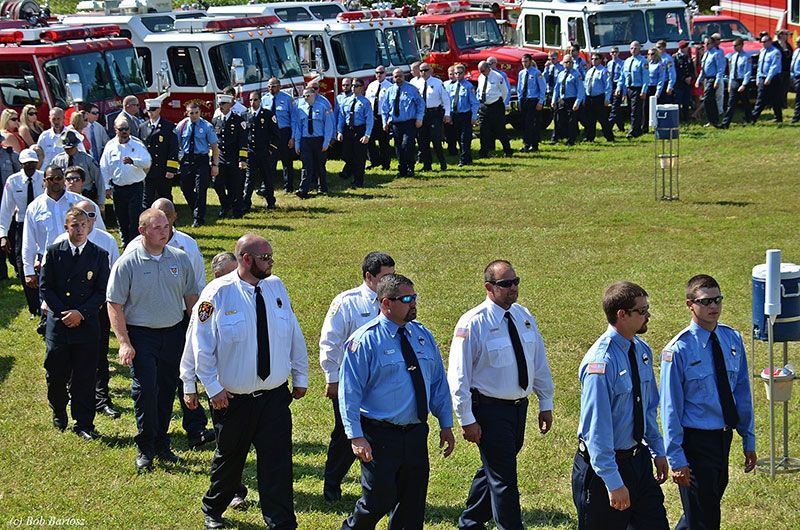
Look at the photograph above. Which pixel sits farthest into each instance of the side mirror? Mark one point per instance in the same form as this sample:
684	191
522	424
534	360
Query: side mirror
74	88
162	78
237	71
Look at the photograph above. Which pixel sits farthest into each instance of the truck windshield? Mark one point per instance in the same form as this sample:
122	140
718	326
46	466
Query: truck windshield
477	33
256	65
729	29
92	71
359	50
668	24
125	72
18	84
326	11
402	45
283	57
616	28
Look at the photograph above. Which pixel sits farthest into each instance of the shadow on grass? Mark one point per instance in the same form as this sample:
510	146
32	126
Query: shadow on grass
6	364
12	300
740	204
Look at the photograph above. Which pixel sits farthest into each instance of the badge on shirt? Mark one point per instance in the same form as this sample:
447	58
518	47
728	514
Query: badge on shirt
596	368
666	355
230	312
174	270
280	304
462	333
527	324
421	341
334	308
160	138
90	274
733	351
645	358
204	311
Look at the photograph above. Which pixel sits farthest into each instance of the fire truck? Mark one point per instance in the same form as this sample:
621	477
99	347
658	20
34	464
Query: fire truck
765	15
187	55
61	66
506	12
351	44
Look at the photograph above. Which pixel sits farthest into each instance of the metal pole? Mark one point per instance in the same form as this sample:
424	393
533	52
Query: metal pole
786	412
771	405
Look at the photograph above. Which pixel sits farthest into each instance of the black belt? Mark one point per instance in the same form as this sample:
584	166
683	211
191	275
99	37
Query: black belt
620	454
434	109
386	425
194	157
478	398
363	126
739	80
170	328
597	96
724	429
265	392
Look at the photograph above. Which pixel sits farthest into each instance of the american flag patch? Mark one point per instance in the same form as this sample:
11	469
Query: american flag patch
596	368
462	333
666	355
352	345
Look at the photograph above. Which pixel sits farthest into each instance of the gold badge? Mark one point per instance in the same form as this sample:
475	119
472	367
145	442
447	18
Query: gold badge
160	138
89	275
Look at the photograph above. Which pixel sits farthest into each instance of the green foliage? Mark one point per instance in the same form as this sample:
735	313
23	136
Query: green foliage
571	220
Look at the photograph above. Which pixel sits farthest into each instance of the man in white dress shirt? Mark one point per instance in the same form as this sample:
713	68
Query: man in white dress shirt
437	112
492	93
497	359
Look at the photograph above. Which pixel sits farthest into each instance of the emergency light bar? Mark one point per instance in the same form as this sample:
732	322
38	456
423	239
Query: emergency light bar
441	8
233	23
355	16
58	35
10	36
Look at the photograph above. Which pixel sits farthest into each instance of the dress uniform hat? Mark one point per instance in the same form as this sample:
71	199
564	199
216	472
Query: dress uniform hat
151	104
69	139
28	155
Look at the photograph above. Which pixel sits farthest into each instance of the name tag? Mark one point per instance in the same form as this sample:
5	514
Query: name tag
389	352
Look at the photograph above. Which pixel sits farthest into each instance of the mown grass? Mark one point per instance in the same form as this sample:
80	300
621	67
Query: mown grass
571	220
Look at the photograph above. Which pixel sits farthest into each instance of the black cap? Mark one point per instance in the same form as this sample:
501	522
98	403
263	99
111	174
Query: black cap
69	139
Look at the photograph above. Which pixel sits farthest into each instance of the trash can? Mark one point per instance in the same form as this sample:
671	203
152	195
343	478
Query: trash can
787	325
667	121
781	383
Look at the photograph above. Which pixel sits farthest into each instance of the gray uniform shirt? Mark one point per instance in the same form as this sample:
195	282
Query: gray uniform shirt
151	290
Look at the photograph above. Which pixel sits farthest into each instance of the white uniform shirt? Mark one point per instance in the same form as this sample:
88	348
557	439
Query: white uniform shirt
115	171
482	357
437	94
50	142
15	198
102	239
497	89
44	221
188	245
225	340
187	371
349	311
378	89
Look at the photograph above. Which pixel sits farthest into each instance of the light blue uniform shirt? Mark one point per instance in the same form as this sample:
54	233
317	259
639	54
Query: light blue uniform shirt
508	85
535	87
580	65
713	65
411	105
658	76
669	67
375	382
689	395
337	107
635	73
550	73
740	66
464	95
769	64
615	67
569	84
204	136
321	117
606	422
795	67
598	82
363	115
284	107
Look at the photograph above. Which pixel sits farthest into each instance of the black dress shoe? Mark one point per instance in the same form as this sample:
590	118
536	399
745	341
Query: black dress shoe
238	502
427	168
331	493
213	522
201	438
87	435
197	224
108	411
301	194
461	164
443	167
144	461
60	420
169	457
271	207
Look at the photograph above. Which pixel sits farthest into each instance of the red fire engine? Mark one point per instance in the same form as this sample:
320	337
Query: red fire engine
765	15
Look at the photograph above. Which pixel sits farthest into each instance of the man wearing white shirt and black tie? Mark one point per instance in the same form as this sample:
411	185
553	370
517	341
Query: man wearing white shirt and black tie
380	152
492	92
437	112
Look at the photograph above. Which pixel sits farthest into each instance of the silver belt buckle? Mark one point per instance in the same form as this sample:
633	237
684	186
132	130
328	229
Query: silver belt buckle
257	393
635	450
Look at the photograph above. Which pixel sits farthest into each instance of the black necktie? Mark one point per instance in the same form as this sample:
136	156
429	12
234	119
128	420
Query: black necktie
310	120
525	86
630	72
638	413
191	138
263	335
375	101
412	365
736	66
70	161
274	101
425	93
353	112
397	102
613	69
723	385
454	103
519	353
77	252
485	87
30	190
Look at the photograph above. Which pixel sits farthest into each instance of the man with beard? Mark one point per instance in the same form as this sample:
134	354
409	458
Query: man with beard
246	374
391	376
619	403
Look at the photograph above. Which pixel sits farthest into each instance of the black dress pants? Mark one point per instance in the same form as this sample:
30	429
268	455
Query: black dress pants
156	186
637	110
596	111
195	174
493	127
380	150
710	100
530	122
260	173
101	396
262	419
229	187
31	295
77	361
355	153
734	97
768	95
462	123
431	132
340	453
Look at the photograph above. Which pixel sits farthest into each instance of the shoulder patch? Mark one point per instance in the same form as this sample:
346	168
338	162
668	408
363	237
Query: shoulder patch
352	345
462	333
663	66
596	368
204	311
666	355
334	307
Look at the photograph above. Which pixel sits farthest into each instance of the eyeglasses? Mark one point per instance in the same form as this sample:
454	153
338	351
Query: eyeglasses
262	257
73	179
307	95
273	86
59	178
641	310
407	299
379	72
505	284
123	128
708	301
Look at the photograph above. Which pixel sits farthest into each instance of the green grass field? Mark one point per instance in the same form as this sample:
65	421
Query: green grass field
571	220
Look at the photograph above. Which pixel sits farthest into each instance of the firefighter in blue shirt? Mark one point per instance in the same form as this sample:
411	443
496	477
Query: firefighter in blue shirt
403	110
531	92
598	99
740	69
354	128
464	112
313	131
568	95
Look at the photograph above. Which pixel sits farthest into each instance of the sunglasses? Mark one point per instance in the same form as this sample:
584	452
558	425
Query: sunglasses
708	301
262	257
91	215
641	310
32	113
95	112
123	128
358	84
505	284
425	70
407	299
15	118
73	179
307	95
54	179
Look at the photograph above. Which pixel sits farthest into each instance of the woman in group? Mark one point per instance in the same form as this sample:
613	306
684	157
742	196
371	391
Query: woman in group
9	125
697	92
77	123
658	79
29	125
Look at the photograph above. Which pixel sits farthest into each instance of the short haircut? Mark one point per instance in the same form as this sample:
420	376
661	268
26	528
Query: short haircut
148	215
91	106
620	295
219	261
460	66
451	68
75	213
120	120
738	41
488	272
56	111
389	285
53	169
229	90
130	100
700	281
374	262
76	169
615	48
662	42
192	105
527	56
